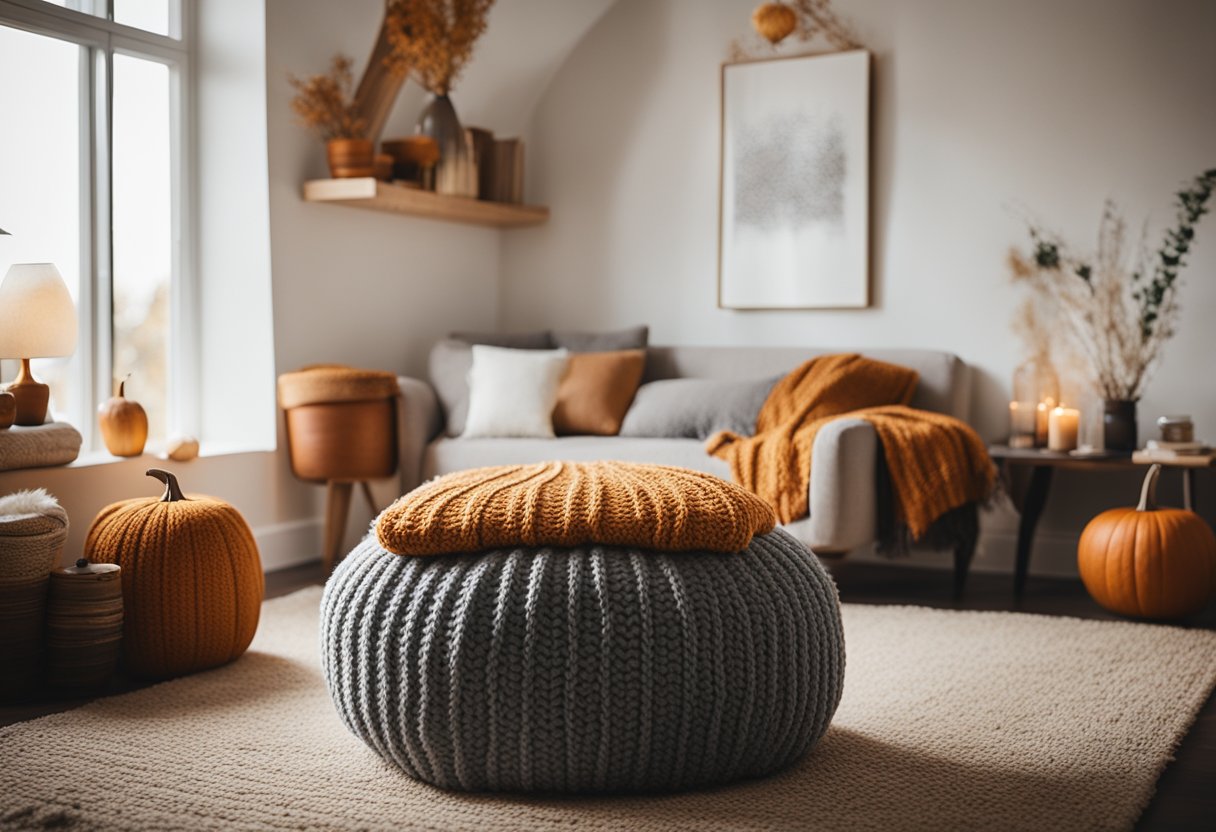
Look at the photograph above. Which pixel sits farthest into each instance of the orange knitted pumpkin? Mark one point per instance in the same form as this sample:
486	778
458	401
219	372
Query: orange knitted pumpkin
191	579
1147	561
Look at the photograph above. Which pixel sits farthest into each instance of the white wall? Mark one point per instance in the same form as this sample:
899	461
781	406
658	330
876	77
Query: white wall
358	287
979	107
377	290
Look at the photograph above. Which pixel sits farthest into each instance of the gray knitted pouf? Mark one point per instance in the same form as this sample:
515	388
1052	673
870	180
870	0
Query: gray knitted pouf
584	670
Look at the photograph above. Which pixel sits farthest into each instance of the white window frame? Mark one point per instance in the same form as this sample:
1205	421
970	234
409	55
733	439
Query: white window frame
104	38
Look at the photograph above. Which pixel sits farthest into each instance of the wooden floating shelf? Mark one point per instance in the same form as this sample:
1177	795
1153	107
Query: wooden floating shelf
367	192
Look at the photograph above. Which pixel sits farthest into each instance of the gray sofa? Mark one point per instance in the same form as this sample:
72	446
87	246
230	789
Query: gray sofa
843	490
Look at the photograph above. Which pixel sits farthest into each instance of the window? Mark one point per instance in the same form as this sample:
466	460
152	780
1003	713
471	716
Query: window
92	179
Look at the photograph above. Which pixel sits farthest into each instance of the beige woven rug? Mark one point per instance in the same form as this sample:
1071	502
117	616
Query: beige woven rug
950	720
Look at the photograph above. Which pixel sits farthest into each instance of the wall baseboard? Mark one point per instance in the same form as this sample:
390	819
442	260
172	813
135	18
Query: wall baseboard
1054	555
289	544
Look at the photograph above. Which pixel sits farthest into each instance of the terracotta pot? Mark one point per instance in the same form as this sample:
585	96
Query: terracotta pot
350	158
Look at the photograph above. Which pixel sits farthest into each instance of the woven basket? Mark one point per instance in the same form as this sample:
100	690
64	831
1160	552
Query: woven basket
33	529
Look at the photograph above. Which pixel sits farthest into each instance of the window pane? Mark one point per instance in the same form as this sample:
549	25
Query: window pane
40	188
142	241
93	7
149	15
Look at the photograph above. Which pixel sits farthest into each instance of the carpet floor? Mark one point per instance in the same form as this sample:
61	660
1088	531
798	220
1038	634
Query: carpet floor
950	720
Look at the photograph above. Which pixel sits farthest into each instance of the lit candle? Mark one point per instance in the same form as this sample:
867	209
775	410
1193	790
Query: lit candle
1062	429
1041	414
1021	425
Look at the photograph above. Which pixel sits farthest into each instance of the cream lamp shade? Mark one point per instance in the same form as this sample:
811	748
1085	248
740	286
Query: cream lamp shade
37	316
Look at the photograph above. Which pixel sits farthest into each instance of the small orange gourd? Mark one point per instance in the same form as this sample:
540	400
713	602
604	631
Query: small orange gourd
191	579
1146	561
124	424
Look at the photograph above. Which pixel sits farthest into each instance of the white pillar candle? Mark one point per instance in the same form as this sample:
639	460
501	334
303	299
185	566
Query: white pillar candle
1040	422
1062	429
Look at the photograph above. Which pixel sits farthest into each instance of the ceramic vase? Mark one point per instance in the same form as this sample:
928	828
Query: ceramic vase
456	172
1119	424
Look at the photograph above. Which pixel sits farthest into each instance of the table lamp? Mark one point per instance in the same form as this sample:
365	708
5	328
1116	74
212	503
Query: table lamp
37	320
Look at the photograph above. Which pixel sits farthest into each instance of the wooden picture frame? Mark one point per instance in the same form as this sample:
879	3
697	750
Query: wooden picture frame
794	186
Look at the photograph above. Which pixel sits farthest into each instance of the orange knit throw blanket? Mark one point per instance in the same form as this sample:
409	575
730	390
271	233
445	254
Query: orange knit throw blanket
936	462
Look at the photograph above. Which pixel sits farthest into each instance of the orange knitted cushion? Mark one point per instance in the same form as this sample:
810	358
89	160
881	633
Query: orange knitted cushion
572	504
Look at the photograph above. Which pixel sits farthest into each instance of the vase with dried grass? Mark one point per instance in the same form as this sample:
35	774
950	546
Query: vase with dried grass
1119	307
325	103
432	40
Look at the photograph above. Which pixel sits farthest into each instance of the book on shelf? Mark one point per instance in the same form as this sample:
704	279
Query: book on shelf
1171	457
508	171
482	142
1178	447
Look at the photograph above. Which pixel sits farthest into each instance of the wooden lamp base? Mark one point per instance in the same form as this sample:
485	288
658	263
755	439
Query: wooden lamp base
32	396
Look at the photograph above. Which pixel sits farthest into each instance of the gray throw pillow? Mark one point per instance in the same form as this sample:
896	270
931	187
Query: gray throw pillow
696	408
448	366
634	338
542	340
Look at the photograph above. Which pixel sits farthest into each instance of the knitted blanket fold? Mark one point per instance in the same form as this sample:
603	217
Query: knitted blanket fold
936	462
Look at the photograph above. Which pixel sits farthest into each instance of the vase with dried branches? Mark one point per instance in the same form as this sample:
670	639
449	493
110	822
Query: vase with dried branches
325	103
432	41
1120	306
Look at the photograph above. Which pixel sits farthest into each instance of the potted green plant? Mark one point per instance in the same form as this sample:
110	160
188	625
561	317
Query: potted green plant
1120	306
325	103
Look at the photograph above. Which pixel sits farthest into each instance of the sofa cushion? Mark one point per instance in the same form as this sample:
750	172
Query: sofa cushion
596	391
451	358
541	340
633	338
696	408
944	380
513	392
655	507
446	455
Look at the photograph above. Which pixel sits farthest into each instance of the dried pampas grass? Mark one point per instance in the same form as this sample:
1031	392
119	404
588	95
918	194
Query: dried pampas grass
434	39
325	103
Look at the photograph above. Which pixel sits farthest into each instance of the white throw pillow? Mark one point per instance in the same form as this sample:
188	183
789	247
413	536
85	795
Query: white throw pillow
513	392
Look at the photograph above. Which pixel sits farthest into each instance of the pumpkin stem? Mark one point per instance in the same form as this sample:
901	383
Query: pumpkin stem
122	385
1148	492
173	491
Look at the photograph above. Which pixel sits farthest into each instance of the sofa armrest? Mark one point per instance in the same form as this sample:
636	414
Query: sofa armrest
418	422
843	494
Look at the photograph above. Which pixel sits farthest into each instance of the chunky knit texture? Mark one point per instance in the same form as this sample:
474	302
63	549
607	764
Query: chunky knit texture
937	463
325	383
653	507
191	581
584	670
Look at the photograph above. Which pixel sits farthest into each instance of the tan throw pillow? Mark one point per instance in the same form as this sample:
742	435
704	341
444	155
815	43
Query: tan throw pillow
654	507
596	392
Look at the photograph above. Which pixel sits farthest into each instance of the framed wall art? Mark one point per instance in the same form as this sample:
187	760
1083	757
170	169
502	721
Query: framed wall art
794	230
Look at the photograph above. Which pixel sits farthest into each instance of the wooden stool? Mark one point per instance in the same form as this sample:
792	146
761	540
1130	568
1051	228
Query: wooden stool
341	430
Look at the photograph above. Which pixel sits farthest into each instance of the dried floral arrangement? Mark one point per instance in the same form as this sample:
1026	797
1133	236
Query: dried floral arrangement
325	103
806	19
1121	306
434	39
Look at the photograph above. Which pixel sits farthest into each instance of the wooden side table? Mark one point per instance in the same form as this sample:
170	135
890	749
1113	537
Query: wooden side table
1042	464
341	427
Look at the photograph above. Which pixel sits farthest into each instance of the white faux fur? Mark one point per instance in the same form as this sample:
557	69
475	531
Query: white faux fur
34	501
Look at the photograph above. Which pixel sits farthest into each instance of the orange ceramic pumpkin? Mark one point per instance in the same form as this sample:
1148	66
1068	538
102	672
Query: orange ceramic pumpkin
191	579
123	423
1147	561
